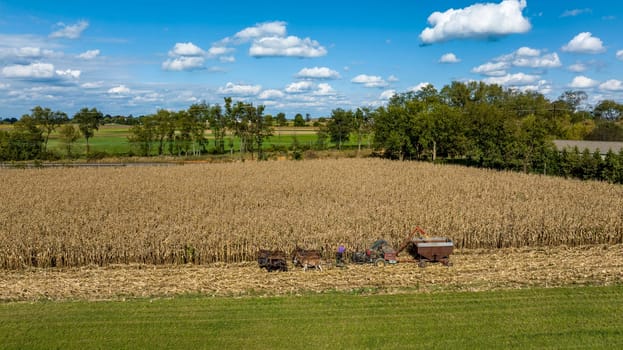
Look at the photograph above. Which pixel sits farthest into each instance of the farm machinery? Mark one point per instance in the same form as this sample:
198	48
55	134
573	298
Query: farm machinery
427	249
272	260
422	247
379	254
419	244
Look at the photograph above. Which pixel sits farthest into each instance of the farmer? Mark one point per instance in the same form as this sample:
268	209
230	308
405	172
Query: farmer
339	256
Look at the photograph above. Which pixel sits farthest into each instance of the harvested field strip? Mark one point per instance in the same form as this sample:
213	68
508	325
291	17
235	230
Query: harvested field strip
589	317
210	213
473	270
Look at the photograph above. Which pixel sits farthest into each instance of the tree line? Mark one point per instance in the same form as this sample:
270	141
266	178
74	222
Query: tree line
471	123
483	125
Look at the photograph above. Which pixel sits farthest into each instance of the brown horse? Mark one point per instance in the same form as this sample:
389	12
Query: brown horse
307	258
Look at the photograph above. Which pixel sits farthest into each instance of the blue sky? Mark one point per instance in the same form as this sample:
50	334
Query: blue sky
135	57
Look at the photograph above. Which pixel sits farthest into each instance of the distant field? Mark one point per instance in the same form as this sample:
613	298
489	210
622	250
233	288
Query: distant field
564	318
113	139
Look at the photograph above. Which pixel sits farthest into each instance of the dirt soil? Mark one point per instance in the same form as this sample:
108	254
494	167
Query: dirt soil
472	270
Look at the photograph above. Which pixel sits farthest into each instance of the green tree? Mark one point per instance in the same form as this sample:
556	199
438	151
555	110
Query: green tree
608	110
69	135
23	142
88	120
48	121
340	126
362	124
281	119
143	134
218	124
299	120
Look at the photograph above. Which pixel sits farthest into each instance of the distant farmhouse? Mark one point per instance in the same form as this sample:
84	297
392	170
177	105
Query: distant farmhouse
592	146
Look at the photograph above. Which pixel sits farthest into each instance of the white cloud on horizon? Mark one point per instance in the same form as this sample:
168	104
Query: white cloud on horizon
583	82
611	85
524	57
387	94
513	79
419	87
584	42
70	31
477	21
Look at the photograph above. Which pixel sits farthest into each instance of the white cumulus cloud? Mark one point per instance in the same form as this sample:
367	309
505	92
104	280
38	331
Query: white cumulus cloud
318	73
186	49
119	90
546	61
584	43
612	85
185	57
387	94
270	39
290	46
419	86
527	51
620	55
371	81
26	52
494	69
324	89
449	58
513	79
271	94
40	71
68	73
477	21
89	54
299	87
184	63
577	67
70	31
267	29
582	82
240	89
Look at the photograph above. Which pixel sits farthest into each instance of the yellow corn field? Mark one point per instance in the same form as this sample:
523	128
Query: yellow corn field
204	213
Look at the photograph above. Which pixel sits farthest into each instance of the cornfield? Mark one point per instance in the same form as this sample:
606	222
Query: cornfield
205	213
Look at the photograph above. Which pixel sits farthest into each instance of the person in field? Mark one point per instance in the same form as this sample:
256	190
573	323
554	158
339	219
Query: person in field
339	256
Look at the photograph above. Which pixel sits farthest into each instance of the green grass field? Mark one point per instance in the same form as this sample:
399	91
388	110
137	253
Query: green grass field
113	140
581	317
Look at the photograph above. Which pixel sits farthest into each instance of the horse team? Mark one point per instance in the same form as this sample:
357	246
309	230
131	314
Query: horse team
275	260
